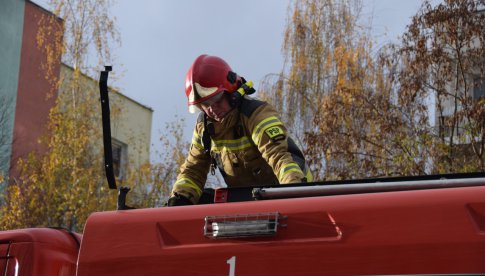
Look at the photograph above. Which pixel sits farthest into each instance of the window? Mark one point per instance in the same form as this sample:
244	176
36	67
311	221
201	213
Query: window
446	126
479	89
119	158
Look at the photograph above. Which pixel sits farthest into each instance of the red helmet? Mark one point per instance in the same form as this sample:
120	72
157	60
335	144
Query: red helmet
207	79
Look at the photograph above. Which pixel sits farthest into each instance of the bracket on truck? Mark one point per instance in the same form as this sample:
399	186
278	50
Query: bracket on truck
105	111
108	152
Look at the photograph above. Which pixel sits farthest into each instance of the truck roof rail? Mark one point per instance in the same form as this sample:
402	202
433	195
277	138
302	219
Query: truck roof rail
322	190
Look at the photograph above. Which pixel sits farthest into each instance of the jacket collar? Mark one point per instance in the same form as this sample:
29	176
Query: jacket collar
227	123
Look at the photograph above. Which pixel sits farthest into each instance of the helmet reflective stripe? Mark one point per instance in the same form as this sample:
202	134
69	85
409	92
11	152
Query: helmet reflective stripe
188	86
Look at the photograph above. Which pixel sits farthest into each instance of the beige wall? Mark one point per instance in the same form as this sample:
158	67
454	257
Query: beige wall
133	127
131	122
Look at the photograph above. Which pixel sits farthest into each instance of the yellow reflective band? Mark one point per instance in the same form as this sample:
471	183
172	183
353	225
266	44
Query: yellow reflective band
197	145
196	135
264	124
290	167
186	182
196	141
308	175
233	145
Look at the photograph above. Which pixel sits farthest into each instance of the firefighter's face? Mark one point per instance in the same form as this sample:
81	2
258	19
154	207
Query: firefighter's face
218	109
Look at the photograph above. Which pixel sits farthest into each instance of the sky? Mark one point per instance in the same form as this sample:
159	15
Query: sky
161	39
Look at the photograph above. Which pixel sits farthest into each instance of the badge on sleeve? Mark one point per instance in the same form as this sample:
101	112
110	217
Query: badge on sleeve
275	133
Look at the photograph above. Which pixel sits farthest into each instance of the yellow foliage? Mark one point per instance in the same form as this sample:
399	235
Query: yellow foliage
362	114
151	184
64	185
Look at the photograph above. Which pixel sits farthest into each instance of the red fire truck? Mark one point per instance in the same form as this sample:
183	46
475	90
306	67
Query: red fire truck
424	225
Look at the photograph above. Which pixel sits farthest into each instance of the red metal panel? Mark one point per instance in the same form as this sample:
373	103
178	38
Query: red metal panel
477	213
3	257
412	232
41	252
21	259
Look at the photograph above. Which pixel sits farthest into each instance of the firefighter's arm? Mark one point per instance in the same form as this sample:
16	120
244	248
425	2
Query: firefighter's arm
193	173
270	136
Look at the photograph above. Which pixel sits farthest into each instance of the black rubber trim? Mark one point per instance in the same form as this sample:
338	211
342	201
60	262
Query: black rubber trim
105	112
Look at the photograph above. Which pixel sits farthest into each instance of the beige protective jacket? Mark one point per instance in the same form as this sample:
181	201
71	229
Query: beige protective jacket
250	146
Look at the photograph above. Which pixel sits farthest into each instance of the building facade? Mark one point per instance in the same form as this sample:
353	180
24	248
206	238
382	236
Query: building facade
25	105
130	123
27	96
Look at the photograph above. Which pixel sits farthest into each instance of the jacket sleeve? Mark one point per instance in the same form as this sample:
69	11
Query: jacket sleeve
271	137
193	173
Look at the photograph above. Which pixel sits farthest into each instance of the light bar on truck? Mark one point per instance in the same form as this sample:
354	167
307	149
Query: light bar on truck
243	226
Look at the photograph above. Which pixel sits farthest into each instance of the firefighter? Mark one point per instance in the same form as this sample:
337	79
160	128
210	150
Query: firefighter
239	135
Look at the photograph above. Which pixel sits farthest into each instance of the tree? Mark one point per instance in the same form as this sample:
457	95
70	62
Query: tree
443	52
62	187
151	184
316	31
361	114
338	97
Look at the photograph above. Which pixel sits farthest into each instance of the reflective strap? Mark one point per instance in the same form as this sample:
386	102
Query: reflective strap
196	141
290	167
264	124
234	145
186	182
308	174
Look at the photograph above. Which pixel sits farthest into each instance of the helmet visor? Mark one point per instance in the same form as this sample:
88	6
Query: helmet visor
210	101
194	107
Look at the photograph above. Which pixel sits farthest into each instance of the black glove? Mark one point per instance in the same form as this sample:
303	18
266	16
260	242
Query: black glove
178	200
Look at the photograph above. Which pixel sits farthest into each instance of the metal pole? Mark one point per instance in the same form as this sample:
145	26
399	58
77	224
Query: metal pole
285	192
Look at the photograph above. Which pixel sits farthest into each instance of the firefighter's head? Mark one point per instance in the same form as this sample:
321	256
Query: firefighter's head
208	83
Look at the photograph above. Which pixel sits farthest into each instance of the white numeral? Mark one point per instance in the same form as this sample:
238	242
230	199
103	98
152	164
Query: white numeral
232	266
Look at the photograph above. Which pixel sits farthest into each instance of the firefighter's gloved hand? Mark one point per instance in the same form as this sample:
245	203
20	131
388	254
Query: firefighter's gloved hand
178	200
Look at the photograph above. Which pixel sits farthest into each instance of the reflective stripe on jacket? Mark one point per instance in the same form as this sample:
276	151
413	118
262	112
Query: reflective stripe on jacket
262	155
